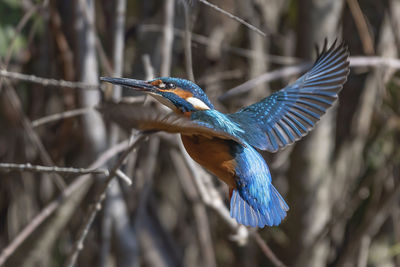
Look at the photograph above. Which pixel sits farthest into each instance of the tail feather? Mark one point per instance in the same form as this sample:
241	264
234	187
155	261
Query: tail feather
271	215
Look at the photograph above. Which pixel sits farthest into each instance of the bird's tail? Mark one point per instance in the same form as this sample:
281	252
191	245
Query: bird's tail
271	215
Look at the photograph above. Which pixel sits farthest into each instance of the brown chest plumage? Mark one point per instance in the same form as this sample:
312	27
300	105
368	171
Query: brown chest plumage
214	155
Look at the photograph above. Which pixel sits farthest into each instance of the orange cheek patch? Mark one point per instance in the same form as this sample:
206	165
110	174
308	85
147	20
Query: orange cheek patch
182	93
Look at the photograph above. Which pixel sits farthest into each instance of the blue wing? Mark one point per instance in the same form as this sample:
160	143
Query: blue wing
211	123
289	114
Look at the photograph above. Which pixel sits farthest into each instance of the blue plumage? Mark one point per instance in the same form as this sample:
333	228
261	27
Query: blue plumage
289	114
255	201
273	123
189	86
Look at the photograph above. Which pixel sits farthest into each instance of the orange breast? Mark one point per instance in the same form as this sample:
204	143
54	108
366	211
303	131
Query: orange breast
212	154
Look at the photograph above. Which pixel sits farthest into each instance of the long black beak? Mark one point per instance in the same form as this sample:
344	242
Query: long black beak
131	83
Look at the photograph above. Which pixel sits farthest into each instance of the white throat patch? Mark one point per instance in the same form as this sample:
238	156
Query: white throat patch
197	103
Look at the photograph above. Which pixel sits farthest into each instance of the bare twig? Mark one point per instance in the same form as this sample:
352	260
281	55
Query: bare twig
362	27
267	251
52	206
61	115
204	40
266	77
7	167
168	37
97	204
46	81
248	25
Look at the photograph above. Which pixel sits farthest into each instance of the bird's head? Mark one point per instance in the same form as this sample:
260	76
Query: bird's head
183	96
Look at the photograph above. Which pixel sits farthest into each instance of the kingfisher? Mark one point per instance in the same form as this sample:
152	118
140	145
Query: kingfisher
227	145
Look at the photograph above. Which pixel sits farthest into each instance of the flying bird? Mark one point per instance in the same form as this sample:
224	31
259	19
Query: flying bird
227	144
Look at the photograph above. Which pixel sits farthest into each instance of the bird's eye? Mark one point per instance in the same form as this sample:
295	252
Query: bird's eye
170	86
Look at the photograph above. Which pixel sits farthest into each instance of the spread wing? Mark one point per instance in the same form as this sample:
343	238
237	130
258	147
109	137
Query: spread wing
143	118
289	114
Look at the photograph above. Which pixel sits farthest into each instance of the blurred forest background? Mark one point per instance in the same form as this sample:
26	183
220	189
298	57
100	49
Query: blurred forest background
341	181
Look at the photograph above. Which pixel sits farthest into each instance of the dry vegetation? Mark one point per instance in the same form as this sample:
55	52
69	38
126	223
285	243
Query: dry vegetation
65	193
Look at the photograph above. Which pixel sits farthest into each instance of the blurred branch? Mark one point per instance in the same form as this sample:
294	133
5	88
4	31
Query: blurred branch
168	37
118	44
21	24
359	61
266	77
60	116
100	196
188	44
16	105
46	81
52	206
356	61
267	251
204	40
370	225
8	167
88	15
248	25
220	76
198	207
148	68
362	27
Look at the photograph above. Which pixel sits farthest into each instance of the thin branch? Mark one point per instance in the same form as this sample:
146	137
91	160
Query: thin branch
266	77
357	61
267	251
52	206
8	167
100	196
248	25
46	81
61	115
204	40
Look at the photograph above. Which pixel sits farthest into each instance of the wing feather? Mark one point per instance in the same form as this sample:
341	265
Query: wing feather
289	114
143	118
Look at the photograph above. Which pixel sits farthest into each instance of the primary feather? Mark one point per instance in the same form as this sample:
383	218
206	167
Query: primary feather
289	114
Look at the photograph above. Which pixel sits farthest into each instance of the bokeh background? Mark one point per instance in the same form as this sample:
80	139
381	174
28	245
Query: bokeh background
341	181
